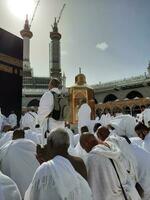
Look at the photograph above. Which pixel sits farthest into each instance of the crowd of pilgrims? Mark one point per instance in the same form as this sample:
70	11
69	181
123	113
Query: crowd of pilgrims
108	159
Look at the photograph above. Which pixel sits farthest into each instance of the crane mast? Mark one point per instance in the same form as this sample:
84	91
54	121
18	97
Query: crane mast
35	9
61	13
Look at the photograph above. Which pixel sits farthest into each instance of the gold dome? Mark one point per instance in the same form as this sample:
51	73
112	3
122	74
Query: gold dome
80	79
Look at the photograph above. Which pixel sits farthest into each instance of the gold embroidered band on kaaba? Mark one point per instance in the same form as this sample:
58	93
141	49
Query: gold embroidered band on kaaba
16	67
11	60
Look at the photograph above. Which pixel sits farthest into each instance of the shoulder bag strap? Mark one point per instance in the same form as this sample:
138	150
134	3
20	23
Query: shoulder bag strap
124	194
31	115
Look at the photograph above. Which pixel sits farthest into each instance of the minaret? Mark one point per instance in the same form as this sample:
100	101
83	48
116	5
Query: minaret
26	35
148	69
55	66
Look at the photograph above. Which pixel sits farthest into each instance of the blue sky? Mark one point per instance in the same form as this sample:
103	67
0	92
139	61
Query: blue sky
108	39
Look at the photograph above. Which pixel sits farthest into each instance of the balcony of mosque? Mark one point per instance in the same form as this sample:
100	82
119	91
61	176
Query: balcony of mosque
34	82
142	79
123	104
33	91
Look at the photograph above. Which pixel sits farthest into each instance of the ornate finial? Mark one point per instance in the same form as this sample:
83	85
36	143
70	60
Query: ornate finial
54	27
26	31
79	70
26	26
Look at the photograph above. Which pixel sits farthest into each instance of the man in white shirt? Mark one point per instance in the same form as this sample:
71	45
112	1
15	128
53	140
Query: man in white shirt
8	188
3	120
18	161
84	115
144	133
58	178
142	169
12	119
46	107
29	119
124	125
102	176
146	117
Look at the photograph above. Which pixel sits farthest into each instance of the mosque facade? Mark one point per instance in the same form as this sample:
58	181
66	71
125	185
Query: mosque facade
34	87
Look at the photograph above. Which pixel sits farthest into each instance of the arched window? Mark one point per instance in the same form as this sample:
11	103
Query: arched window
33	102
110	97
133	94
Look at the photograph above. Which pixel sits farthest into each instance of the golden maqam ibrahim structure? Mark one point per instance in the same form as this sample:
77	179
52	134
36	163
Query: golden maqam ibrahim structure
77	92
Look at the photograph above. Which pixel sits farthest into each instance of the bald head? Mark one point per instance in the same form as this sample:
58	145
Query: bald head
88	141
103	133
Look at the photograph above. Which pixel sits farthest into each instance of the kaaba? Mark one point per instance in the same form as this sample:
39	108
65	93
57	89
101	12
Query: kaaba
11	66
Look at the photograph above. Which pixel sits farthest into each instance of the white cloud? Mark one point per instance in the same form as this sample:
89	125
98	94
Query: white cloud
102	46
64	53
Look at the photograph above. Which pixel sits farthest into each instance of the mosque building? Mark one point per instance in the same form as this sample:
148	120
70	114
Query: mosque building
136	88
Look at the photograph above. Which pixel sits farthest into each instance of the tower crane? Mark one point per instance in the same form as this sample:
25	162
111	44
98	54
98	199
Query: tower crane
61	13
35	9
55	26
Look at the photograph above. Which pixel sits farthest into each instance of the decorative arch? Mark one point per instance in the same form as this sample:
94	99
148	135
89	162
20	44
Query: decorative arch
34	102
110	97
134	94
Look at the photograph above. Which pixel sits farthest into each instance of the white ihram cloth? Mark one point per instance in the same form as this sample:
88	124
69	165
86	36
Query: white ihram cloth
136	141
30	135
18	161
29	120
146	143
146	114
12	119
71	136
76	139
35	137
102	176
105	119
6	137
78	151
129	159
45	108
84	116
8	188
124	125
3	121
58	180
143	168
